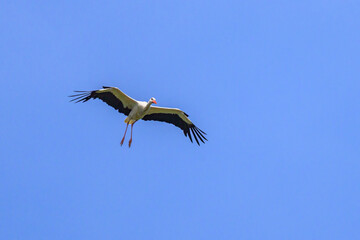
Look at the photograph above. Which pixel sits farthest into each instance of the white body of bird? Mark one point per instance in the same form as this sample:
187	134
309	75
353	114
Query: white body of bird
139	110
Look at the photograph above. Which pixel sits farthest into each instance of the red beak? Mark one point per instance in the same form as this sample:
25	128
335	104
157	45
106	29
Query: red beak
155	102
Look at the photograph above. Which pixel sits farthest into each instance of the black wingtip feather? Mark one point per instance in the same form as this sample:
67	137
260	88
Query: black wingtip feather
199	135
192	130
199	131
189	134
74	99
83	96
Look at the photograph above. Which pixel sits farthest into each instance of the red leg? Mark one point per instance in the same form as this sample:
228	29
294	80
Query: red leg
131	134
122	141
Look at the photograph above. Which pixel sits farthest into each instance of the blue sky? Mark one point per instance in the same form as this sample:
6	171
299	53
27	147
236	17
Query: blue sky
275	84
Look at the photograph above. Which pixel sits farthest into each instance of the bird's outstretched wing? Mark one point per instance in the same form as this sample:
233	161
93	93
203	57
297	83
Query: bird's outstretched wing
178	118
111	95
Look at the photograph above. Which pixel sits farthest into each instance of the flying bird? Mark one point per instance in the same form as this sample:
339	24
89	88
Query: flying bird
136	110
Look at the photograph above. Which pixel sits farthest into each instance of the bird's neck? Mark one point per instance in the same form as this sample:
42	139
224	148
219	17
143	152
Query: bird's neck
147	106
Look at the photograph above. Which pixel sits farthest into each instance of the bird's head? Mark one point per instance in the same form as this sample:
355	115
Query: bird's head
153	100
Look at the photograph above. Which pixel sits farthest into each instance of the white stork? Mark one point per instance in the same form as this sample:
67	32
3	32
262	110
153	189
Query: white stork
136	110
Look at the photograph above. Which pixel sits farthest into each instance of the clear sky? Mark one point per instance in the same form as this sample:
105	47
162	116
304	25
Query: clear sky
275	84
